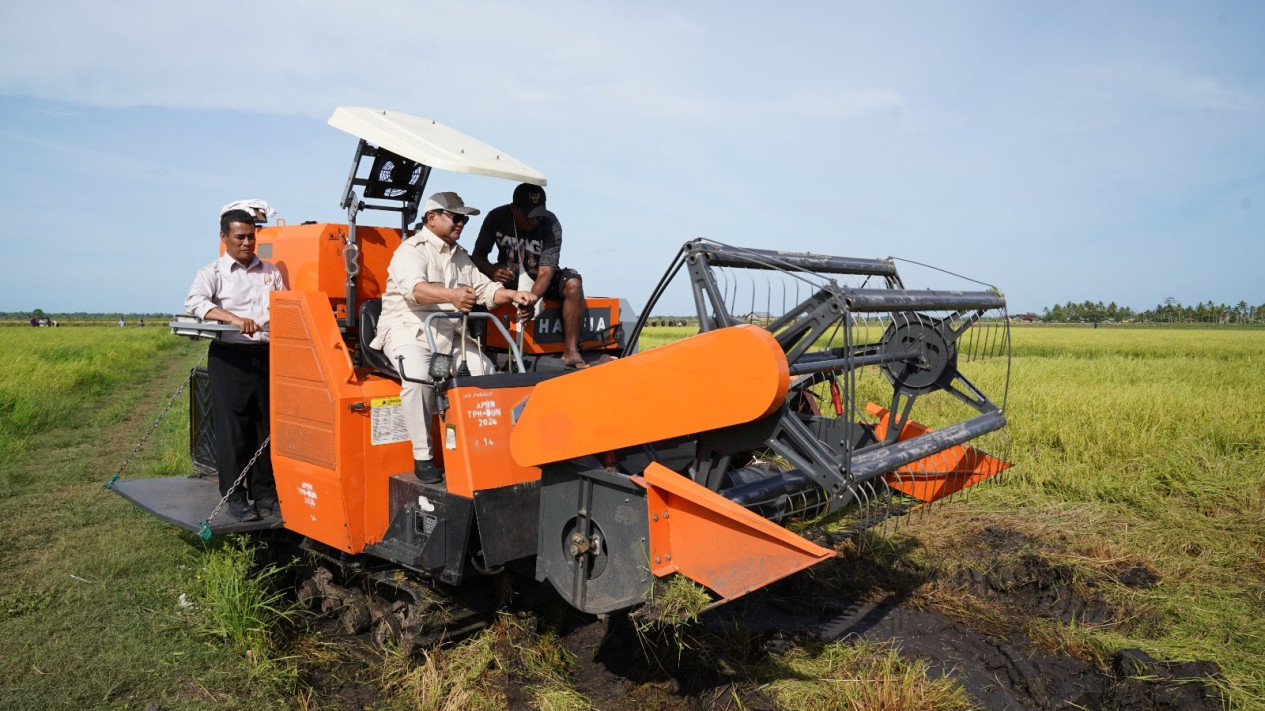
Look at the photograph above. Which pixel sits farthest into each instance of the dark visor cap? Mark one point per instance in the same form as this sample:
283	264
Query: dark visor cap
530	200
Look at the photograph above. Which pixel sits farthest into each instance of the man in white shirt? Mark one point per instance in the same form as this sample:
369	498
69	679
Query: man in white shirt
234	289
430	272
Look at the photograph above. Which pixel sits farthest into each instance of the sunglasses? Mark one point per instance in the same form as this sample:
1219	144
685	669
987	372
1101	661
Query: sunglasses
456	219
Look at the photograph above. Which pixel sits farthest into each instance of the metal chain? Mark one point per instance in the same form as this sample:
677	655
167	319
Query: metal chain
204	531
110	484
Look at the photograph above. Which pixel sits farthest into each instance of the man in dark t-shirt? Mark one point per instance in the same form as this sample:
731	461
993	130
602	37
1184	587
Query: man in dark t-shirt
529	241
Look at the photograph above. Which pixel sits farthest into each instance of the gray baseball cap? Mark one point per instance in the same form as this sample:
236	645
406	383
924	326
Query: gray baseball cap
448	201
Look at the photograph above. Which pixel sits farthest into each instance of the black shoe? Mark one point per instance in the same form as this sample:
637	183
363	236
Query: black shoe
426	472
267	506
241	510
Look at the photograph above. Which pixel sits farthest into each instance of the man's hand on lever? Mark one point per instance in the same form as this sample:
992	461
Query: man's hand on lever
525	300
463	298
245	325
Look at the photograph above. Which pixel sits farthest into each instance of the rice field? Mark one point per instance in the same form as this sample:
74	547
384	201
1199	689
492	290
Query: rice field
1144	445
1138	445
1148	446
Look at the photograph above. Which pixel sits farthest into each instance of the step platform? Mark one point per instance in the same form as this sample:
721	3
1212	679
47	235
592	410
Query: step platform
186	502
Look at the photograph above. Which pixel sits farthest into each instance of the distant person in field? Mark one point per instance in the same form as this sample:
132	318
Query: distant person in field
430	272
529	241
234	289
122	323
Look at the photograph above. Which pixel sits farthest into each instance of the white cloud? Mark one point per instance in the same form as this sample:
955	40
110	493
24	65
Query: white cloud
932	130
290	58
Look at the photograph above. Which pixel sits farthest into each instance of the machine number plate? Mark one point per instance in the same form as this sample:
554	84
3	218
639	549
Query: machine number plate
386	419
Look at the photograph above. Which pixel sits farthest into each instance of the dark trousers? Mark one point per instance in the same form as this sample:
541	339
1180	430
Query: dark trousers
239	399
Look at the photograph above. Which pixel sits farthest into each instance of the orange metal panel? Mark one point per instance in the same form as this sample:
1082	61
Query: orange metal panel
715	542
389	456
319	492
312	503
302	403
299	251
940	474
377	245
475	439
544	334
303	408
715	379
311	257
331	476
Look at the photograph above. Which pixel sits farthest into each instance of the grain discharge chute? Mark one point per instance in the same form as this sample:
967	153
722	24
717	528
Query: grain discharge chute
815	388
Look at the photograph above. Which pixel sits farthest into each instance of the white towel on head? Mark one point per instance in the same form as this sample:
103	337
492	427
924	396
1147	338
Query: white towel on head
261	210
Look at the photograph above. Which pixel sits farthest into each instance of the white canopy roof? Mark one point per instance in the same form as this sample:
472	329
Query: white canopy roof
431	143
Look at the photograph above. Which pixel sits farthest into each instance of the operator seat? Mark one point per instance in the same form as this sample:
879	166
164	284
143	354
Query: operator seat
370	311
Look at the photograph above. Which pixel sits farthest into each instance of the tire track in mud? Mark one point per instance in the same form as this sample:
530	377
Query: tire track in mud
1009	671
998	670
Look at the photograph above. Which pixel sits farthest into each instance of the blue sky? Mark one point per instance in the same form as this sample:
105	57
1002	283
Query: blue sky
1059	150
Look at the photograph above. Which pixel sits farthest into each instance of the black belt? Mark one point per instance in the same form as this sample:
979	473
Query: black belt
240	346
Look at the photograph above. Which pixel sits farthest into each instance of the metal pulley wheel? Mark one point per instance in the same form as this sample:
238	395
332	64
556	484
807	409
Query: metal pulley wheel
932	363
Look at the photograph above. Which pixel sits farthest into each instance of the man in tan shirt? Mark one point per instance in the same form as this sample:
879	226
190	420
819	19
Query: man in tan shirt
430	272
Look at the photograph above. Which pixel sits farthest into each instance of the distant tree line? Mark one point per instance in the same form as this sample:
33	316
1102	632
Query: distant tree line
83	316
40	317
1171	311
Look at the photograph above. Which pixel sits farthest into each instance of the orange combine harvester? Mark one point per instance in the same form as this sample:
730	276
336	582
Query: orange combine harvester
688	459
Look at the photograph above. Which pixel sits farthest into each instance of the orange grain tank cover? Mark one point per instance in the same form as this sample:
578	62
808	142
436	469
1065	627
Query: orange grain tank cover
715	379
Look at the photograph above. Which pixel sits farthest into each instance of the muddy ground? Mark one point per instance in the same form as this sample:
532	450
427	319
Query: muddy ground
995	589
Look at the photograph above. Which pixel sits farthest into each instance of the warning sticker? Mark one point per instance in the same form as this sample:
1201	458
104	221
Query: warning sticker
450	437
386	421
